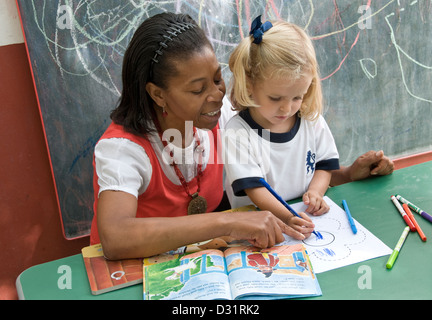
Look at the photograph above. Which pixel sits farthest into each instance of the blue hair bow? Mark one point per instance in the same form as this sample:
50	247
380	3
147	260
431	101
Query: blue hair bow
258	29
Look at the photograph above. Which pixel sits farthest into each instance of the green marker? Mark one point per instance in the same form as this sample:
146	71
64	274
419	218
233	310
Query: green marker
396	250
425	215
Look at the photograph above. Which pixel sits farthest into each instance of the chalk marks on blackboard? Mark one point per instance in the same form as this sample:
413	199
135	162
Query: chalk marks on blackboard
364	22
91	34
400	51
98	37
344	58
369	67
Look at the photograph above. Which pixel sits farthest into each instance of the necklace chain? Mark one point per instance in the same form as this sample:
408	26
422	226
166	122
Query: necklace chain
177	169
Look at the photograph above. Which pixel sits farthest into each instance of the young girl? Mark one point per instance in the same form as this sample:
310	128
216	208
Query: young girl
279	133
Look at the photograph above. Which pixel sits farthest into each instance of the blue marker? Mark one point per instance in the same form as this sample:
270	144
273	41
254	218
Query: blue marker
278	197
350	218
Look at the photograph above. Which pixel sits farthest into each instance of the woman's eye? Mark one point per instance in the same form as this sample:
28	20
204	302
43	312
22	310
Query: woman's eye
198	91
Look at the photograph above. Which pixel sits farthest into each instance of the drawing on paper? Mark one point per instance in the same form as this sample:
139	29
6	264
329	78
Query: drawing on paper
313	241
339	246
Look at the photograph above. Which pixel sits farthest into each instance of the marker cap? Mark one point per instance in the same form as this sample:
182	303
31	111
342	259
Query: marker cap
392	259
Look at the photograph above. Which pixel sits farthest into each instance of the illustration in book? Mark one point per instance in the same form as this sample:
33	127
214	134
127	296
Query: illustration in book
107	275
241	272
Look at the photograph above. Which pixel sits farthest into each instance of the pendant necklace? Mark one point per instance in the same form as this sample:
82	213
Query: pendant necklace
197	204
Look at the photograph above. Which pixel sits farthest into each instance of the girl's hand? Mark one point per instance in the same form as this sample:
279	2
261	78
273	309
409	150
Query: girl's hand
303	225
315	202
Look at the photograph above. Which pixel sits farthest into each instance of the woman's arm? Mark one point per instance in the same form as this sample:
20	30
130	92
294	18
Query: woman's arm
371	163
124	236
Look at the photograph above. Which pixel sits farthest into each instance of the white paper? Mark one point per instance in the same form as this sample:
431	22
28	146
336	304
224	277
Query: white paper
340	246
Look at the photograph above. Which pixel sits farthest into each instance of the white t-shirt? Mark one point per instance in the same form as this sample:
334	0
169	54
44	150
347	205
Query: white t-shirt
287	161
123	165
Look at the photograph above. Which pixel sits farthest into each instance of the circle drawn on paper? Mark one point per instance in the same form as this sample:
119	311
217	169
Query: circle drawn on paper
313	241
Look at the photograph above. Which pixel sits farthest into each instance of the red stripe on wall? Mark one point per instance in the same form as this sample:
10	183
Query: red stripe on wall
30	227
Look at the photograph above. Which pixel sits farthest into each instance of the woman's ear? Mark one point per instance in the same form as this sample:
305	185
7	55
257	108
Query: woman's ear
156	93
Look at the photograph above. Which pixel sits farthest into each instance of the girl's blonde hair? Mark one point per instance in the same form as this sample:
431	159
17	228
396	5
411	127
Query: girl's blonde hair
285	51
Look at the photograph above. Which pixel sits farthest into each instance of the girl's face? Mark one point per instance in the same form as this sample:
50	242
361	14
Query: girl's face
279	100
196	92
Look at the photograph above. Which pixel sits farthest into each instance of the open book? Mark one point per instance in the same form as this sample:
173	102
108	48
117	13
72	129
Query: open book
242	272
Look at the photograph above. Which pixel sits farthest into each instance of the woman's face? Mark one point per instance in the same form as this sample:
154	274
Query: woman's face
195	93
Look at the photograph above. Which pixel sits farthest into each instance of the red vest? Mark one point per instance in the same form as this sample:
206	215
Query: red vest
162	198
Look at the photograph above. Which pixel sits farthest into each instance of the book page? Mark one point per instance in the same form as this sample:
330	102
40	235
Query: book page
278	272
196	276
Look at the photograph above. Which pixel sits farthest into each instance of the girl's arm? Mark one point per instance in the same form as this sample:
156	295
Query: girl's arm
124	236
264	200
316	191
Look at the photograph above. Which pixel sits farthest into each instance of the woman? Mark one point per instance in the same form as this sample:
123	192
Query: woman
157	161
172	93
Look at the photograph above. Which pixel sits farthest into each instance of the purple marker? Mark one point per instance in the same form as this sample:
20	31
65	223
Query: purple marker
415	208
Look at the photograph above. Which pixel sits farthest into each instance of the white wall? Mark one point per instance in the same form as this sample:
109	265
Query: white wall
10	26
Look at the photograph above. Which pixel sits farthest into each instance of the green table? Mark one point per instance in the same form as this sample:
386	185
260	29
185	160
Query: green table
370	204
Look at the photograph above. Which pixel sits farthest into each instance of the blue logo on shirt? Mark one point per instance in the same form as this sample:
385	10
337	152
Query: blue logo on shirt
310	162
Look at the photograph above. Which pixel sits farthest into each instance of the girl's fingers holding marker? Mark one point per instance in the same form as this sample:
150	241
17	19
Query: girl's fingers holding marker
303	225
290	231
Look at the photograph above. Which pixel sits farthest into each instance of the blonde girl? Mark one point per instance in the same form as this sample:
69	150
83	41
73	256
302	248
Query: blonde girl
279	133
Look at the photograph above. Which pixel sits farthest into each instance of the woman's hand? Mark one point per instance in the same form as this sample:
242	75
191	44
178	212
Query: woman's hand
261	228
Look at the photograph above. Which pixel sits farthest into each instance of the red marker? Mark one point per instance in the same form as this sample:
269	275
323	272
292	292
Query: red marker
403	213
411	216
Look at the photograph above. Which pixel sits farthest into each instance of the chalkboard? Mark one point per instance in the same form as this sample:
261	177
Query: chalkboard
375	60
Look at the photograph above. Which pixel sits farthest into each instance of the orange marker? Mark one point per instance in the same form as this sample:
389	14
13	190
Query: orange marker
403	214
411	216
